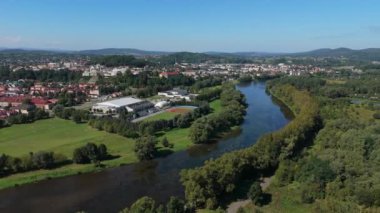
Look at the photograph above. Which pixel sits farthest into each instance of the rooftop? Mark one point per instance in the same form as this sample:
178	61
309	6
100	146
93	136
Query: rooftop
120	102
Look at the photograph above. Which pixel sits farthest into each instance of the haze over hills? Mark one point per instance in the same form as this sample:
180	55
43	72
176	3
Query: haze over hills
363	54
122	51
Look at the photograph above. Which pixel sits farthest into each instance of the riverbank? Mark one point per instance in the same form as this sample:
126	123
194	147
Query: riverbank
63	136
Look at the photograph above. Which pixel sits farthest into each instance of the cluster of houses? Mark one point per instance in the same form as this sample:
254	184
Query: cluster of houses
75	65
95	70
42	95
14	89
14	105
233	70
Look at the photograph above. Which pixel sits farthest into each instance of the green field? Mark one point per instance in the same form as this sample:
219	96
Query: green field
162	116
57	135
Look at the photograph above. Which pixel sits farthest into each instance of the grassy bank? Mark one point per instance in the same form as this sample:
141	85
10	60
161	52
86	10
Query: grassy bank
63	136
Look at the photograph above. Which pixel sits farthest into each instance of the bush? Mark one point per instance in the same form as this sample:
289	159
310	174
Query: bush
311	192
142	205
255	193
145	147
43	160
90	153
175	205
165	142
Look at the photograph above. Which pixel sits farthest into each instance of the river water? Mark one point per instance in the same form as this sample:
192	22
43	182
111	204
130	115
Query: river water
114	189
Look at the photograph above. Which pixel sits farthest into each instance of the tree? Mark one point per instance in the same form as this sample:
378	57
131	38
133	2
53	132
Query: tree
58	110
43	160
90	153
145	147
165	142
175	205
66	113
376	115
143	205
255	193
103	154
77	118
4	163
79	157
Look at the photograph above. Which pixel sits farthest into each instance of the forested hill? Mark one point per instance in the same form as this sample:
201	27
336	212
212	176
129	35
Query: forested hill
123	51
189	57
372	54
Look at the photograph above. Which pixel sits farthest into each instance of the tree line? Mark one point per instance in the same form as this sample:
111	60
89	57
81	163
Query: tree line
32	161
119	60
149	205
44	75
89	153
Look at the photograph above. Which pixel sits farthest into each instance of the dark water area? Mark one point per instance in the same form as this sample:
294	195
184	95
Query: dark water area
114	189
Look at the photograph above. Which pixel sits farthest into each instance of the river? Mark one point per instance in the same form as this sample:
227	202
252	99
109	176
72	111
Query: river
114	189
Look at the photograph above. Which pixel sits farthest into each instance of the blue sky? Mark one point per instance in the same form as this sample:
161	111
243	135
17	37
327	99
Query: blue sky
190	25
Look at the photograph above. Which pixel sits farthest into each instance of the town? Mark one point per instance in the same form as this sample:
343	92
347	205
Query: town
87	90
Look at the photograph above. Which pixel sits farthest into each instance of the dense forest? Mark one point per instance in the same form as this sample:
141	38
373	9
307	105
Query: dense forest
339	172
119	60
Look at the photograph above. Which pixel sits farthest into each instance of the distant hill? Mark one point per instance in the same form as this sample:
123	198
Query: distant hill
123	51
371	54
244	54
186	57
364	54
33	52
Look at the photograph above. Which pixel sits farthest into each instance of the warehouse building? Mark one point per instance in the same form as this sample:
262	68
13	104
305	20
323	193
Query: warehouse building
132	105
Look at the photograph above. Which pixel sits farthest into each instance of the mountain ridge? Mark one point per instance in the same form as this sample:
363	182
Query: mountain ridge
360	54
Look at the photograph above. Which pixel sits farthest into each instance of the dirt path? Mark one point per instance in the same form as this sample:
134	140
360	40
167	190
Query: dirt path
234	206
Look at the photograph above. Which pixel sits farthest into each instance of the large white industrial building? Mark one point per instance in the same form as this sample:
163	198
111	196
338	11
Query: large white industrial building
142	107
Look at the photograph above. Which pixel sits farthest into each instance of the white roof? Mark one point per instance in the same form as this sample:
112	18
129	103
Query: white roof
120	102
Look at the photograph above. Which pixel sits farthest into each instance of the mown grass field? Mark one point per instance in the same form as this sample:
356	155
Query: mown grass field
57	135
168	114
162	116
63	136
